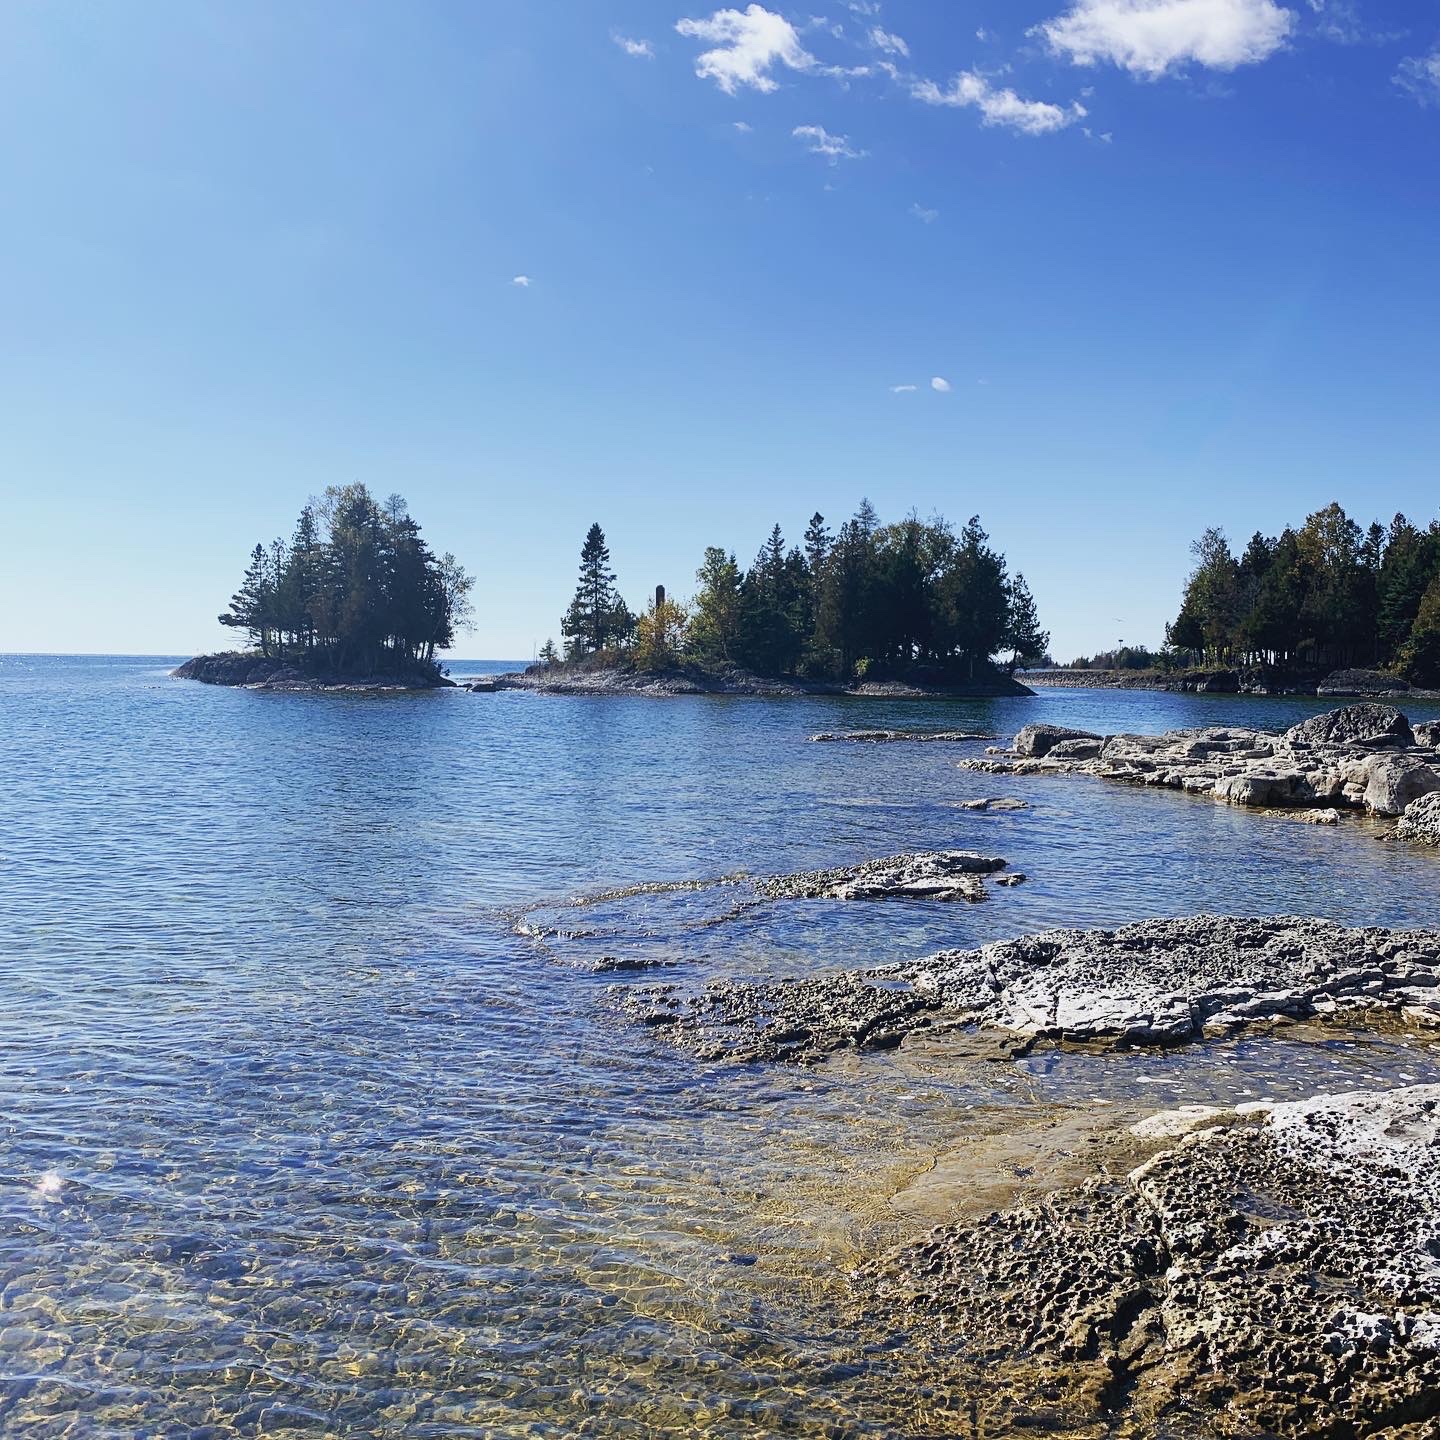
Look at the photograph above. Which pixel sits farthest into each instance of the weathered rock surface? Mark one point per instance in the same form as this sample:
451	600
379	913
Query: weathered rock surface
1421	820
894	737
994	803
1039	740
1359	757
1158	982
1274	1272
1427	734
923	875
579	679
1352	723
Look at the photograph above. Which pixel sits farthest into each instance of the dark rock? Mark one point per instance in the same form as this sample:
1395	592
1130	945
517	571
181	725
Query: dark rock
924	875
1038	741
1362	682
1350	724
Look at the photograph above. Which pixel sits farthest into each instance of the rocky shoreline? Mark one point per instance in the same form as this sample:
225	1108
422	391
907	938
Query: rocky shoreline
258	672
1264	1269
1361	757
568	680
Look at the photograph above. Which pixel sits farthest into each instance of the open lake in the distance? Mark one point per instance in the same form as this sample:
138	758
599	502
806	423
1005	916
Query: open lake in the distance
312	1127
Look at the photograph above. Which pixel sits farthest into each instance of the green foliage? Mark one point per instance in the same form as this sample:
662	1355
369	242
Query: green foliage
660	636
1328	594
369	596
598	619
549	655
888	601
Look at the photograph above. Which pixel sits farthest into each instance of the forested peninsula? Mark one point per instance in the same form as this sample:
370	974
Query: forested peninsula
355	599
1323	607
914	605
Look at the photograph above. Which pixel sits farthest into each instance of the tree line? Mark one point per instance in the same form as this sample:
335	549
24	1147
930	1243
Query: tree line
909	599
357	589
1327	594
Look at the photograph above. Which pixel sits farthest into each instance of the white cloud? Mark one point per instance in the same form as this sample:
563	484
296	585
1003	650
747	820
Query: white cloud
998	107
941	384
903	389
743	126
748	45
1151	37
1419	77
890	44
523	281
821	142
929	217
639	49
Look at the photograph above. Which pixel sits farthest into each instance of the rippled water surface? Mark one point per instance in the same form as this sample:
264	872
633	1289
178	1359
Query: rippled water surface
311	1127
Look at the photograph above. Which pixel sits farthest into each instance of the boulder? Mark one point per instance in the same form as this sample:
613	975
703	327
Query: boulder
1393	781
1039	740
1427	734
1421	820
1265	788
1076	749
1351	724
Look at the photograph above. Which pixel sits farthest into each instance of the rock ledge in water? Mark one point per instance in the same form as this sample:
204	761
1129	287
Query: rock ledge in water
923	875
1157	982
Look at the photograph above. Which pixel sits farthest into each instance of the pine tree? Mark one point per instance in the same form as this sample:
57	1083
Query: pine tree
1025	639
252	605
597	617
714	635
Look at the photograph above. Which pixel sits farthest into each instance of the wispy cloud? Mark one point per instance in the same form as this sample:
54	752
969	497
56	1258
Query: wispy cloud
749	44
1419	77
928	217
998	107
743	126
941	384
903	389
523	281
1340	21
1153	37
890	44
819	141
639	49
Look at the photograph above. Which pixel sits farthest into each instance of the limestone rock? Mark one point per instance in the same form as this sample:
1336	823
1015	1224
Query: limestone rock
1039	740
1393	781
1421	820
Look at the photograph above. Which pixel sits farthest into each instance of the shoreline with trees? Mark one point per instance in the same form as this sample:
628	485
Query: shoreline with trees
913	607
1326	608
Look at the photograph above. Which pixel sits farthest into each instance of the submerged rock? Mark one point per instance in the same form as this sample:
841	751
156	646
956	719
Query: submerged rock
1157	982
1276	1268
895	737
923	875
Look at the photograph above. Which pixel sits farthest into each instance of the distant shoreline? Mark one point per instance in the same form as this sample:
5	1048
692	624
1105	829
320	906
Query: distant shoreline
258	672
565	680
1340	684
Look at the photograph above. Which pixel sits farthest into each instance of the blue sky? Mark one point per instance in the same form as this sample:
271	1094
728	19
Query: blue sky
1174	263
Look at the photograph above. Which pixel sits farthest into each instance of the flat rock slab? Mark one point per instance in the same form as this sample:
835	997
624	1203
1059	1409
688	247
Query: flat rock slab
1271	1272
896	737
922	875
1158	982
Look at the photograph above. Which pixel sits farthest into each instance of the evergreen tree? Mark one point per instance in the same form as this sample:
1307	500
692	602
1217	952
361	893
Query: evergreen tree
714	635
597	618
1024	638
252	605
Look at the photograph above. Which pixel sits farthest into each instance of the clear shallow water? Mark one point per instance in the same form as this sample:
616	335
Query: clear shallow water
301	1137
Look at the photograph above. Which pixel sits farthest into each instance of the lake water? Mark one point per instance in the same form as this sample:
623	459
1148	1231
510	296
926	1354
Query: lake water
310	1126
